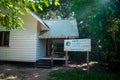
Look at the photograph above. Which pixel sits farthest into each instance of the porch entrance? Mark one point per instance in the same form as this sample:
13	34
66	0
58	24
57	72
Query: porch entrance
55	48
55	55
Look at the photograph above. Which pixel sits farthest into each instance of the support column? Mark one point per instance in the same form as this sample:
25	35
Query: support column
66	59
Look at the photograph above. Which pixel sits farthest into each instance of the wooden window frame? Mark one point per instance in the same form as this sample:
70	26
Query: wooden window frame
3	35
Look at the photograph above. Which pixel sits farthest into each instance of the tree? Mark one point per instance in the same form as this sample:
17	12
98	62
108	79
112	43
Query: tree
100	21
11	9
60	12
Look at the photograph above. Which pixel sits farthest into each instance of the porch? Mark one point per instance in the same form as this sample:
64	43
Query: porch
54	58
54	49
50	61
54	53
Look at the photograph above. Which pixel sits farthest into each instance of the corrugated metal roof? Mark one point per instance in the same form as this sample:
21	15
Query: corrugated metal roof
61	29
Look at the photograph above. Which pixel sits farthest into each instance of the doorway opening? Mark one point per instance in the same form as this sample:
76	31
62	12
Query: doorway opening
55	47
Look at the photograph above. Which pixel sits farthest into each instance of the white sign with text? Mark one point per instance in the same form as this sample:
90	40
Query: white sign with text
77	45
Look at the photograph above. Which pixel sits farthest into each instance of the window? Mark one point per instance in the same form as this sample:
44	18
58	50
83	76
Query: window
4	38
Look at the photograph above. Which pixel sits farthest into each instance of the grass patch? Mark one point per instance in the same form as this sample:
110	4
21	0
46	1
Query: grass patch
81	75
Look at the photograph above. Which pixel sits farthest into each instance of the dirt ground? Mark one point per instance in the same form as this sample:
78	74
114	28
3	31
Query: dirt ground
14	71
27	71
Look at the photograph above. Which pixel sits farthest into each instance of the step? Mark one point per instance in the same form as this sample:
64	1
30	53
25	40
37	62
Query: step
44	67
43	63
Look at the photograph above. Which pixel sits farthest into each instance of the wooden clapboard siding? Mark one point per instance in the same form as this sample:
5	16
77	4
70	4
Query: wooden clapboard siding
41	45
22	46
38	46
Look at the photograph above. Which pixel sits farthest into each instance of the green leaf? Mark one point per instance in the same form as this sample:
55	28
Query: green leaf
22	13
57	3
46	3
33	6
26	9
40	7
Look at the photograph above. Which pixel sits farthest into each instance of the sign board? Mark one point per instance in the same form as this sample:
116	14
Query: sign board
77	45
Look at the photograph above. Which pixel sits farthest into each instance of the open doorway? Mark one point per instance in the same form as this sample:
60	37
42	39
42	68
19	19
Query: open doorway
55	47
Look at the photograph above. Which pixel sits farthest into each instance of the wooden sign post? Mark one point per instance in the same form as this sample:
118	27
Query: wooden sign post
82	45
88	61
66	59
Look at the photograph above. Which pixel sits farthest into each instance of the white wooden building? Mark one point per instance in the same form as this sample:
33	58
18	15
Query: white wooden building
35	42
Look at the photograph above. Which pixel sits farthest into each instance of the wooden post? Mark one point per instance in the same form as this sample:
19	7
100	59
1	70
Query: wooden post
52	60
66	56
66	59
88	61
52	55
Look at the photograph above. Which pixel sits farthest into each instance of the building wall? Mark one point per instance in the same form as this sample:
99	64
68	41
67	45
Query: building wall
22	46
41	49
41	45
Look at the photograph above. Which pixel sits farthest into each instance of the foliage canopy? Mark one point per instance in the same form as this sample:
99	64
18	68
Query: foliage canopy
100	21
11	9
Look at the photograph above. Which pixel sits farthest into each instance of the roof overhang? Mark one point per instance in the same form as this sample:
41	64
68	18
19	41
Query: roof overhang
58	37
41	23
